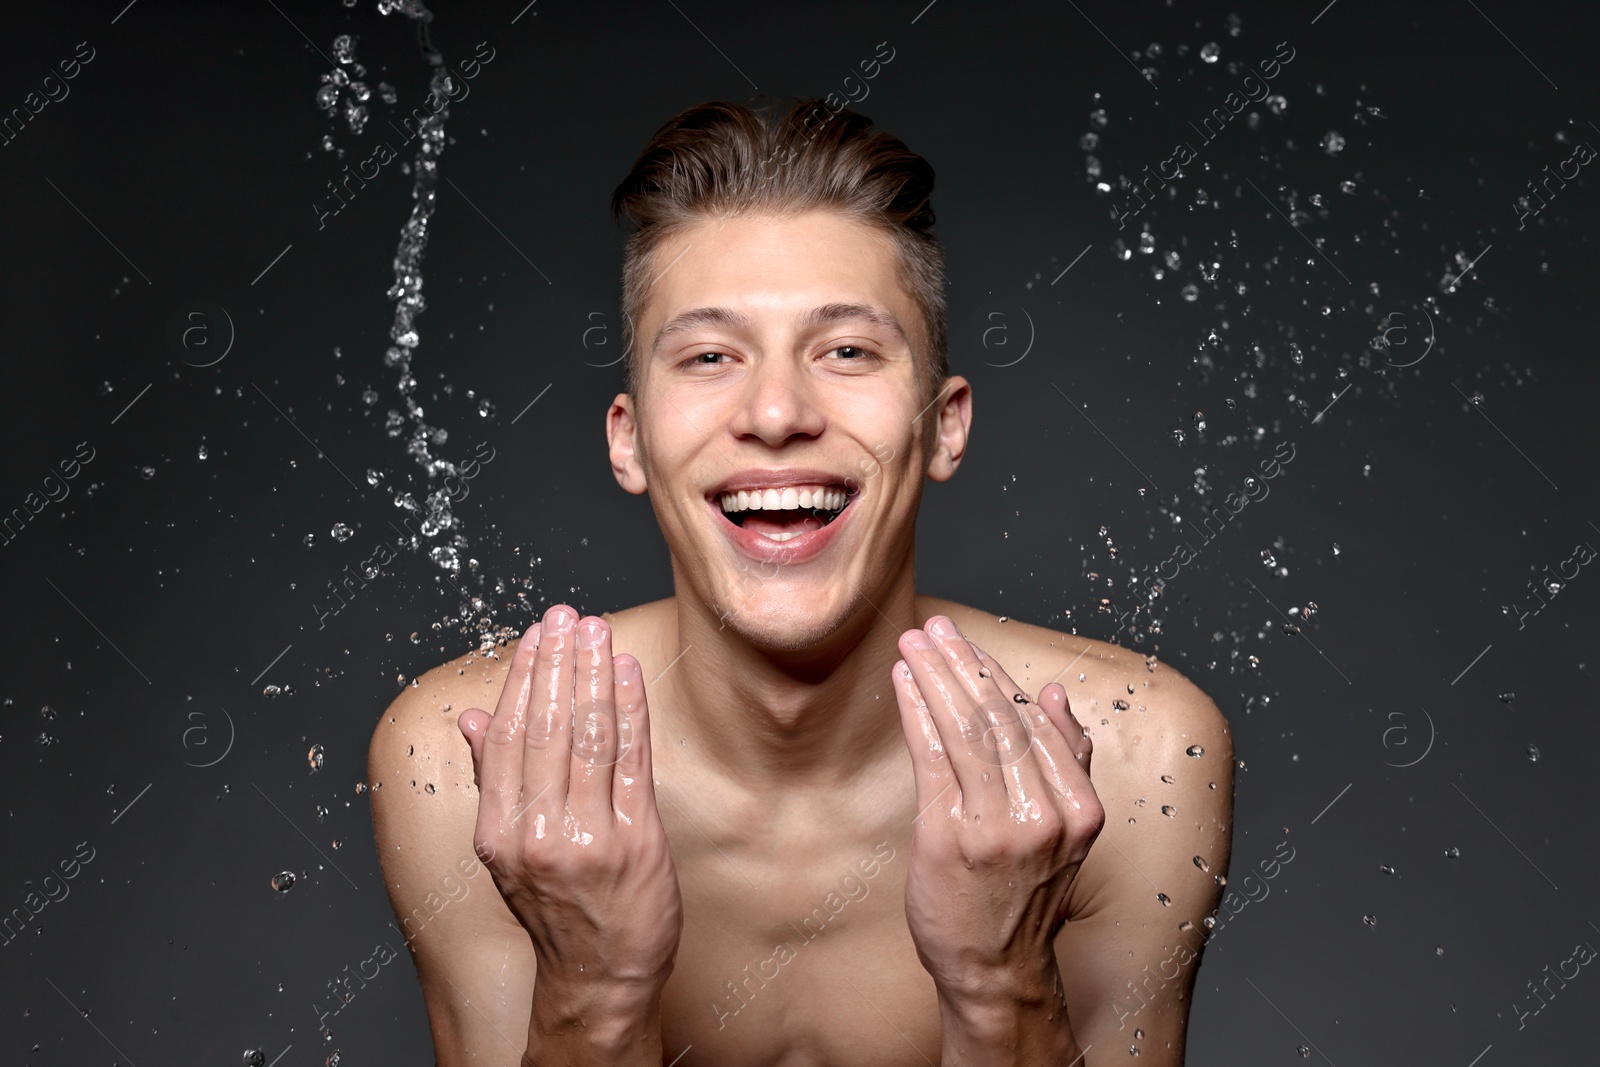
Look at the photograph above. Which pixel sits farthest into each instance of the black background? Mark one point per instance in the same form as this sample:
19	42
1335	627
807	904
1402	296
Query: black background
148	614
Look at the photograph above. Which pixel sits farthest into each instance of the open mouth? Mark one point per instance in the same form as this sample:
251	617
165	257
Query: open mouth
783	514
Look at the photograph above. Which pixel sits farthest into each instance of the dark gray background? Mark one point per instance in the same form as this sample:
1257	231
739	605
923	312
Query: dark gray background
142	609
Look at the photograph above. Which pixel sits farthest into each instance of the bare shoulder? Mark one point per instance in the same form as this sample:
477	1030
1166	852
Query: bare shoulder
419	771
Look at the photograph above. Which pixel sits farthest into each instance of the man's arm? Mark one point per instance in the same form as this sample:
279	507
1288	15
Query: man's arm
474	960
1116	1000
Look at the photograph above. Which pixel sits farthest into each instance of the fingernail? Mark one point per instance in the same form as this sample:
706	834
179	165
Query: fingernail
942	627
561	619
590	633
918	639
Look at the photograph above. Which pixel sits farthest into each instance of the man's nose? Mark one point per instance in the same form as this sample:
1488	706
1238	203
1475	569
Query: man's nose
779	401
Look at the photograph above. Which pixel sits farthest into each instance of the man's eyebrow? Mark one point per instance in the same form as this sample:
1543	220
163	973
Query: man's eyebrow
864	312
695	318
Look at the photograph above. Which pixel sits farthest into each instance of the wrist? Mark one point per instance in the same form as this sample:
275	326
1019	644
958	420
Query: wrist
1019	1017
594	1022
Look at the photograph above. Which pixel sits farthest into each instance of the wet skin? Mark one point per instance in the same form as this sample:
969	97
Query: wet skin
816	865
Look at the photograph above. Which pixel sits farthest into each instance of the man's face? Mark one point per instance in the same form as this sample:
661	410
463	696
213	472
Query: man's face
776	359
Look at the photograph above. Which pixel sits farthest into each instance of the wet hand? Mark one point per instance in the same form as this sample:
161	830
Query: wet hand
567	818
1006	814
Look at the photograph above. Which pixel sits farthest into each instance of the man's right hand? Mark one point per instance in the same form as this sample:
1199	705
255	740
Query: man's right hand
568	824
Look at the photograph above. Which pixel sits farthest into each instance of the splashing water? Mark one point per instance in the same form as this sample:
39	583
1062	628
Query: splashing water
439	530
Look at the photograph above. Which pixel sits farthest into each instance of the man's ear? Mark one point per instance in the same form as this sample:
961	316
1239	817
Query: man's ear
953	425
622	435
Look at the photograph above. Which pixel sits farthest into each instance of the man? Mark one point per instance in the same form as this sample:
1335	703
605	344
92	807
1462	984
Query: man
848	823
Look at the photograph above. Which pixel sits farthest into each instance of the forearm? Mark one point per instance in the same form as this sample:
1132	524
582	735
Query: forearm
1019	1024
586	1026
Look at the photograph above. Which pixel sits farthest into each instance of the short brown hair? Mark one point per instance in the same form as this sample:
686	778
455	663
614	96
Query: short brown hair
723	158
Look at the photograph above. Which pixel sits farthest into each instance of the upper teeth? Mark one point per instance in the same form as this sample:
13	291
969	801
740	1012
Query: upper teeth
794	496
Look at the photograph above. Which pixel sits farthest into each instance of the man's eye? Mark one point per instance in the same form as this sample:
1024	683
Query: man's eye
861	354
695	359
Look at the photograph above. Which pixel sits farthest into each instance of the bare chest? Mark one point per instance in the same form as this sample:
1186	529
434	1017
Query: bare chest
797	960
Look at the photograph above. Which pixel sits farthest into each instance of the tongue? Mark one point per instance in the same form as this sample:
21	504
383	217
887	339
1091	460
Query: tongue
791	521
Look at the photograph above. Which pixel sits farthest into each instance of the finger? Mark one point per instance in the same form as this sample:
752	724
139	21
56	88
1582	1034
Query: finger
594	729
633	789
473	724
955	715
497	760
547	743
1053	698
1007	734
1052	756
935	780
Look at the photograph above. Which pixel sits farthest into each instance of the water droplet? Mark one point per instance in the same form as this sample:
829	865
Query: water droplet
1533	753
1335	548
1168	779
283	881
1097	118
1191	292
1385	868
147	473
1195	750
1332	142
1133	1050
1305	1053
1507	697
1370	920
1200	861
254	1057
1452	852
1210	51
1166	901
314	757
485	408
1169	811
341	532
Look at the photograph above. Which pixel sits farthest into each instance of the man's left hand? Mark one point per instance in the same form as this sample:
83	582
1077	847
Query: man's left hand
1006	815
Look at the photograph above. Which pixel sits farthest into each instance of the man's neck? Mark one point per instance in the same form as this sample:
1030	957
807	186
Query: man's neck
823	713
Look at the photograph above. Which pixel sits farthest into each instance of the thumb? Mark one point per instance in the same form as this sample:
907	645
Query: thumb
474	726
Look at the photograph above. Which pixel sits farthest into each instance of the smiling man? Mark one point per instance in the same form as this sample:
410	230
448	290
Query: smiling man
844	822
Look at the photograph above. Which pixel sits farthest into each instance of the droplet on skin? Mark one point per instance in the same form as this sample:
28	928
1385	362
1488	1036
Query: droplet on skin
1195	750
